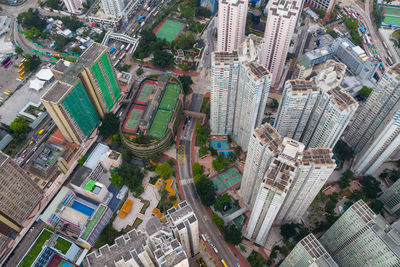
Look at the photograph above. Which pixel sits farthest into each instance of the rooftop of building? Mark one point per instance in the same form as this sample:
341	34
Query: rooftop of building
124	248
317	252
317	53
61	65
54	204
286	8
99	153
396	69
279	174
57	92
46	156
343	99
3	158
79	175
225	56
302	86
318	156
179	213
257	70
74	216
269	135
168	252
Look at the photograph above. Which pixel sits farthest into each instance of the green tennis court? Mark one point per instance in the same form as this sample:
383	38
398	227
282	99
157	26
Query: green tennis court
391	15
170	96
160	123
169	30
226	180
133	119
145	93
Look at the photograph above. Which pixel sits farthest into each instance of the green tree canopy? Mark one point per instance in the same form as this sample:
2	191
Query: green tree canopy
70	22
376	206
221	201
186	40
197	168
163	59
288	230
217	220
19	50
131	177
54	4
32	62
82	160
139	71
365	91
232	235
76	50
186	83
109	125
370	186
31	18
343	151
19	125
205	190
116	179
217	165
164	170
203	12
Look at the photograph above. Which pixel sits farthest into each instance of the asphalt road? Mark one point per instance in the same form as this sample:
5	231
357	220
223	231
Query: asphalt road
195	104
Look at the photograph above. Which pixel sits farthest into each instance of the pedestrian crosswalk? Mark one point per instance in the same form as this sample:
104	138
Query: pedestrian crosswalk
181	154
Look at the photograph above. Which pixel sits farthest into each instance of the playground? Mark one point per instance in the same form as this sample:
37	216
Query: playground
160	123
226	180
169	29
145	92
391	15
132	122
170	96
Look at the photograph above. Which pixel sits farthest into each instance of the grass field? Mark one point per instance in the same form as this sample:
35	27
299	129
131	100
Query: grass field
170	96
133	119
145	93
160	123
391	15
62	245
169	30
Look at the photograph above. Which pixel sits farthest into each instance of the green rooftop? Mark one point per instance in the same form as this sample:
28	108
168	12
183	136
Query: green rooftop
90	185
92	223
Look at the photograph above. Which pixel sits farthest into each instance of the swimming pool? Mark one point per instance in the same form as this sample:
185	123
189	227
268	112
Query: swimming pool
219	145
82	208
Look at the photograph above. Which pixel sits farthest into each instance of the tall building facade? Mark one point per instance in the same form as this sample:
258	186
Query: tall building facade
312	115
273	190
224	81
307	253
280	180
113	8
326	5
185	227
391	199
231	24
281	22
74	6
373	135
251	98
239	92
361	238
19	195
84	92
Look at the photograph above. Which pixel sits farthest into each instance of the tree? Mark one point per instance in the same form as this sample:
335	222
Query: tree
203	151
343	151
107	236
116	139
288	230
196	178
343	182
370	186
217	165
221	201
164	170
32	62
365	91
19	125
187	12
186	40
348	174
203	12
256	260
186	83
124	67
139	71
132	177
205	190
197	168
376	206
232	235
30	19
19	50
163	59
54	4
109	125
330	207
332	33
357	195
274	104
217	220
71	22
76	50
60	42
116	179
82	160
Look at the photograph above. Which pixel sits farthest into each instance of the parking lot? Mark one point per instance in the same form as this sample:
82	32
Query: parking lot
8	77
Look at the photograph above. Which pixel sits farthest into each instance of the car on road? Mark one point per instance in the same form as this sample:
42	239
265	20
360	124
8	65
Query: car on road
207	52
24	156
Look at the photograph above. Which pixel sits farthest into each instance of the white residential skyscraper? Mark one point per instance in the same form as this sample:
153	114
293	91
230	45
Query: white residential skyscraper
231	24
373	135
361	238
113	8
251	98
280	180
224	79
281	22
313	116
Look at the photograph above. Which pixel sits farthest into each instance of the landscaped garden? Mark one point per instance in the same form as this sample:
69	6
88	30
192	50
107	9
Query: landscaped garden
36	248
62	245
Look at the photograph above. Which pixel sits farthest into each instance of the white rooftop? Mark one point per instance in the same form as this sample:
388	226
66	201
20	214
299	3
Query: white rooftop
45	74
98	154
36	84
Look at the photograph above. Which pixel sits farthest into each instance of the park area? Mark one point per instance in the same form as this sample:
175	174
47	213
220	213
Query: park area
391	15
227	180
169	29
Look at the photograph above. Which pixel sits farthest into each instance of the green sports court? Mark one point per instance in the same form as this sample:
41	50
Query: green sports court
391	15
133	120
160	123
145	93
226	180
169	29
171	94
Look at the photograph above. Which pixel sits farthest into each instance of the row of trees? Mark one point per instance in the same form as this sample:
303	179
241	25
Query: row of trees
352	25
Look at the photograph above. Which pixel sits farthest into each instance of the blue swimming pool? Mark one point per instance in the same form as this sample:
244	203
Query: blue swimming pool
82	208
